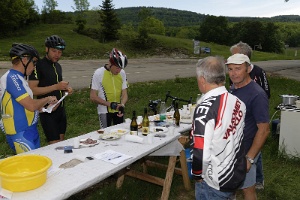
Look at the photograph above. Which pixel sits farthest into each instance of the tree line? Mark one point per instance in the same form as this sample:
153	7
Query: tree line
136	23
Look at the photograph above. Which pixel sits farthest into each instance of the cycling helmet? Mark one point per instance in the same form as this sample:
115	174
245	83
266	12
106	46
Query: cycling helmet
56	42
117	58
19	50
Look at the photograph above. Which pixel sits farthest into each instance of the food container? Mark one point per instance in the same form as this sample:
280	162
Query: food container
297	104
288	99
24	172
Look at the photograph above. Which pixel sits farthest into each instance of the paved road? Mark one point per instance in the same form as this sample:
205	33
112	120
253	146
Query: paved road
79	72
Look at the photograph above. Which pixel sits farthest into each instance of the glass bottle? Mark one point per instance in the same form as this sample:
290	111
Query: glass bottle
133	125
198	98
176	115
145	123
162	112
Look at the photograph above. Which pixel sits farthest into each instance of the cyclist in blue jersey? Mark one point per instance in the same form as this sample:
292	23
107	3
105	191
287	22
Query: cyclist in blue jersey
19	111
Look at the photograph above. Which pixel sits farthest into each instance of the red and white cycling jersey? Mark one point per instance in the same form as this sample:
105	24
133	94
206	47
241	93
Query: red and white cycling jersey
218	153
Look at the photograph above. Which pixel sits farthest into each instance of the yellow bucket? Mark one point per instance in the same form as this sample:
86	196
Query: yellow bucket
24	172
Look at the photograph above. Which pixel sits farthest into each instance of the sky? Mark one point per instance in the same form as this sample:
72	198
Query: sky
233	8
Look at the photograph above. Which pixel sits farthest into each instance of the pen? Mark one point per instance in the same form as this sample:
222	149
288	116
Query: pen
114	157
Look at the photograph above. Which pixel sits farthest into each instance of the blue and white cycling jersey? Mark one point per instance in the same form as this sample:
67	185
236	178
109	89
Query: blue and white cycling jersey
15	117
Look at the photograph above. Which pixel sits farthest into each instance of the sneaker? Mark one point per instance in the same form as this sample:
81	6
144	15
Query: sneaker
259	186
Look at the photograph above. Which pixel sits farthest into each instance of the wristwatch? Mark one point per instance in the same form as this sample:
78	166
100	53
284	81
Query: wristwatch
250	159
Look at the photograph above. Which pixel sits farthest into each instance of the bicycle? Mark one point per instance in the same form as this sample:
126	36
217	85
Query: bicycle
153	104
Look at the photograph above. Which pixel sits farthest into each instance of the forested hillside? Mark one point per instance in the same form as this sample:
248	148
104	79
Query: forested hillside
170	17
180	18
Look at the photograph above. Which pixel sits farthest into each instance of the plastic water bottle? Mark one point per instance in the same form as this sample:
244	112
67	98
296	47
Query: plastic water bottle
162	112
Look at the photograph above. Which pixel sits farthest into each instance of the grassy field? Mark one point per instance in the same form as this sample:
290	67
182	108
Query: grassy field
82	47
281	173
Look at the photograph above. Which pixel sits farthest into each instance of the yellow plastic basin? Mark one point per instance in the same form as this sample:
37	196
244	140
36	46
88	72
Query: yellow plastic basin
24	172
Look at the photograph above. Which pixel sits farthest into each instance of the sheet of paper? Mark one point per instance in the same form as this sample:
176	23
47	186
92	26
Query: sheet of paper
50	107
112	157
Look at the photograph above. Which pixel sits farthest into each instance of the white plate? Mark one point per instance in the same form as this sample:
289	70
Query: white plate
119	131
109	137
87	145
158	129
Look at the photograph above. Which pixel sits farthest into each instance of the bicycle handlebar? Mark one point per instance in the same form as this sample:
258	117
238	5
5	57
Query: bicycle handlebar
176	98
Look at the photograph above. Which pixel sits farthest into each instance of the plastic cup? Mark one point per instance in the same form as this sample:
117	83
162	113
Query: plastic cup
150	138
76	143
139	119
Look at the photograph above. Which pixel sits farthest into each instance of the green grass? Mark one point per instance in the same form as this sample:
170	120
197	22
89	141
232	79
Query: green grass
83	47
281	173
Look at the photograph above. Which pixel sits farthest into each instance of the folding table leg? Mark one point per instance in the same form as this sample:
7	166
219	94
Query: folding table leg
184	171
120	181
169	177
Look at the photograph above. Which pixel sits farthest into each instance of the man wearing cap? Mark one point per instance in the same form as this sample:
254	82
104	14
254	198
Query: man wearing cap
259	76
47	80
109	89
256	128
19	109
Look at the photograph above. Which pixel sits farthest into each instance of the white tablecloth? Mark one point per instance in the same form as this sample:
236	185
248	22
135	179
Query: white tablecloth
62	183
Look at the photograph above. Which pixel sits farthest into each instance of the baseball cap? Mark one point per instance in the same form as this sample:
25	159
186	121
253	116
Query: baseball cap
238	59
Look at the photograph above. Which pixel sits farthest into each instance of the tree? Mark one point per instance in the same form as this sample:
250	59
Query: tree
80	7
186	32
49	14
153	26
255	33
49	6
271	40
109	21
251	32
143	14
214	29
16	15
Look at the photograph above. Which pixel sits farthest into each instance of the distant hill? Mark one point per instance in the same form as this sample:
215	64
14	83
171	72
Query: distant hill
178	18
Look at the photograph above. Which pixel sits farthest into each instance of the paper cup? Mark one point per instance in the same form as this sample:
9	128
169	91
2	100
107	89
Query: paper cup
150	138
76	143
127	121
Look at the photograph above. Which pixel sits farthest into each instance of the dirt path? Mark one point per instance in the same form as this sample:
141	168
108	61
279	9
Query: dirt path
79	72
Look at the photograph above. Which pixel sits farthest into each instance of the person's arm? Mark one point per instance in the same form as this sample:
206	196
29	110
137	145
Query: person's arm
36	104
124	97
33	84
265	83
258	142
95	99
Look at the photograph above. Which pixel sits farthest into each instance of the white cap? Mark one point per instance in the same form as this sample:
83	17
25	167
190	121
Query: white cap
238	59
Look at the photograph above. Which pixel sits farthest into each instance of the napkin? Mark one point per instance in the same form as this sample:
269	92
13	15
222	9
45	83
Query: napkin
134	138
